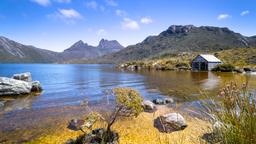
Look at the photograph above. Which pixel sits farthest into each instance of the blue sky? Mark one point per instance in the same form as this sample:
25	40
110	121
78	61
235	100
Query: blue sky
57	24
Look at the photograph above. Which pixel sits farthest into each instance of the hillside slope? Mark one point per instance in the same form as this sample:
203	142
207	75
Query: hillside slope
14	52
238	57
184	39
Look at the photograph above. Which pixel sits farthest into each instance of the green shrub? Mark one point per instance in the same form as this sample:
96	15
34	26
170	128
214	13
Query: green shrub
236	116
128	104
182	65
224	68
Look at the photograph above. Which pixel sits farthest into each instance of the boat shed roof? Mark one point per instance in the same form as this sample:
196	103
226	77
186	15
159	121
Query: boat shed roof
210	58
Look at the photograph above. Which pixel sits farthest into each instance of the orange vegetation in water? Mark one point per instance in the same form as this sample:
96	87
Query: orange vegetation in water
140	130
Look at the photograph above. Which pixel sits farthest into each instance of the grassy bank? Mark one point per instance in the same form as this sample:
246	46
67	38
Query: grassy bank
240	58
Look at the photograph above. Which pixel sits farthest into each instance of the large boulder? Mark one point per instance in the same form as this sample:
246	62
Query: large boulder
149	106
19	84
23	76
170	122
9	86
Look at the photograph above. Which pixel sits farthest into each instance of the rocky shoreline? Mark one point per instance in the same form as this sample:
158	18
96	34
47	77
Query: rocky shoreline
135	66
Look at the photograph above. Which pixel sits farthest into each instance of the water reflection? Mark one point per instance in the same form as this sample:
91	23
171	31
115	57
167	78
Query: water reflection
11	104
210	82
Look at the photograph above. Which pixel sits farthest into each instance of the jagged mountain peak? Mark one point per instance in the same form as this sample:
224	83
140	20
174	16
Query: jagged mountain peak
81	50
79	43
109	44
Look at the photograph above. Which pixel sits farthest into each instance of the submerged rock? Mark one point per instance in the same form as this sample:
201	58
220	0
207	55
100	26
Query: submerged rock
23	76
36	86
160	101
95	137
9	86
76	124
149	106
2	103
170	122
168	100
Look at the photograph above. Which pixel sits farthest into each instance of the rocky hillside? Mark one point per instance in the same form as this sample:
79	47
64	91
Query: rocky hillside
82	51
13	52
187	38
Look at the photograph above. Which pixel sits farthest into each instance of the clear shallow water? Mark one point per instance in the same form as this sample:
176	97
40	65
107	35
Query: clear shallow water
70	84
65	86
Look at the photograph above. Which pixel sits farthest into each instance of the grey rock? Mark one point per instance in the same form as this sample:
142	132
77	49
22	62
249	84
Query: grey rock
96	136
169	100
159	101
149	106
163	101
36	86
9	86
2	103
23	76
170	122
249	70
76	124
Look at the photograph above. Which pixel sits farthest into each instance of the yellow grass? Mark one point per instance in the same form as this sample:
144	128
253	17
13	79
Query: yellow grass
140	130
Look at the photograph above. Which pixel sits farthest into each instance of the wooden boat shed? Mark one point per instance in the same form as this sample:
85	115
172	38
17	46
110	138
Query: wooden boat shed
205	62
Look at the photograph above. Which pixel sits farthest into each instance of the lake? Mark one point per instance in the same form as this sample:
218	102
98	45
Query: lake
66	86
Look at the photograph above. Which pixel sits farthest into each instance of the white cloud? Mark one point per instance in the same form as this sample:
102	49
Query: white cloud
70	13
101	32
69	16
121	13
63	1
223	16
130	24
42	2
92	4
111	2
245	13
146	20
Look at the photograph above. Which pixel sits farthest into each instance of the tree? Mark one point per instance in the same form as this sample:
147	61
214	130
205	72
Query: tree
127	104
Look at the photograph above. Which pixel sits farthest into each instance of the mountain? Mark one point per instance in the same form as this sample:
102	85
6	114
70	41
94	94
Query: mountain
107	46
14	52
79	50
83	51
186	38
